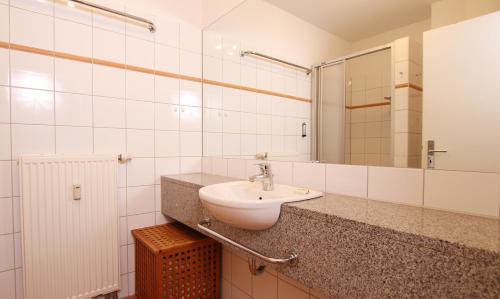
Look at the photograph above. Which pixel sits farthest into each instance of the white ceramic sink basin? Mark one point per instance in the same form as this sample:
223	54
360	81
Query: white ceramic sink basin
245	205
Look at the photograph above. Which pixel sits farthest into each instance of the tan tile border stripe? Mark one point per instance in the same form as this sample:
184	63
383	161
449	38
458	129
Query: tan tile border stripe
409	85
143	70
368	105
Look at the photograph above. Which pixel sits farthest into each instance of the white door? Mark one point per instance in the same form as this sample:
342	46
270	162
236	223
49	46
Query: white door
461	98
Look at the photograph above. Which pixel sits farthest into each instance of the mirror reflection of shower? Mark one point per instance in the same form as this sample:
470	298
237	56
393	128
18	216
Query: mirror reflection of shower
354	110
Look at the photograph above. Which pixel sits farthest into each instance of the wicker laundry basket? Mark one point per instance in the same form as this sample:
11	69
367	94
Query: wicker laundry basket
172	261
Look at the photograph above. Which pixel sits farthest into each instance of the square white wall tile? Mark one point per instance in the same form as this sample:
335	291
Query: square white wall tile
236	168
248	144
231	122
73	109
190	165
7	249
212	120
140	52
108	82
140	172
190	144
109	112
74	140
4	67
166	90
32	106
4	22
283	172
248	101
73	38
219	166
469	192
241	277
401	185
4	104
5	144
167	58
31	70
109	141
167	143
140	115
166	166
212	68
32	139
231	144
231	72
31	29
140	143
8	284
6	179
265	286
190	38
212	96
108	45
206	164
212	144
190	63
190	118
309	175
73	76
138	221
190	93
140	200
167	32
166	117
347	179
139	86
231	99
7	216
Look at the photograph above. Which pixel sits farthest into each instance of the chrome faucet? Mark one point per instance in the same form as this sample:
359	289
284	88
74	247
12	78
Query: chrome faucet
265	176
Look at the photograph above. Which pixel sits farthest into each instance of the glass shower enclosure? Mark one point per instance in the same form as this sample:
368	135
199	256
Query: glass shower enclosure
352	110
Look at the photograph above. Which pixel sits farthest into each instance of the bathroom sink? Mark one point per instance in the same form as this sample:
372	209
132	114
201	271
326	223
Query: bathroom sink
245	205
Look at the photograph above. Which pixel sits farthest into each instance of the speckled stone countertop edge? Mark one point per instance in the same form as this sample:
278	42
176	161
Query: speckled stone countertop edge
197	181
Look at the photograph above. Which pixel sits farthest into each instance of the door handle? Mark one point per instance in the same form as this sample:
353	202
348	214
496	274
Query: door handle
430	153
436	151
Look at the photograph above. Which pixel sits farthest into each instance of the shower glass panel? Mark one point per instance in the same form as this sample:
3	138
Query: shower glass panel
331	114
353	113
368	109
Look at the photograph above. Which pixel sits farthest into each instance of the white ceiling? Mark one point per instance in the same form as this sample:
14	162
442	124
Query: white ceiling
357	19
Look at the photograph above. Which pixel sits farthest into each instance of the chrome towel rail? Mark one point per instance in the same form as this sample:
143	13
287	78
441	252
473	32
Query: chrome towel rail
291	259
151	25
253	53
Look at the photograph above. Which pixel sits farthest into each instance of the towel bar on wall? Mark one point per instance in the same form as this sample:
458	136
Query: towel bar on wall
151	25
291	259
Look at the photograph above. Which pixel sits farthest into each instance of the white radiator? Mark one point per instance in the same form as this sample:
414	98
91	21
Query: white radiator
70	245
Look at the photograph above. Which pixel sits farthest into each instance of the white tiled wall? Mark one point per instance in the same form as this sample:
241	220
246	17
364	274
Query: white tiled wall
459	191
51	105
239	283
407	104
239	123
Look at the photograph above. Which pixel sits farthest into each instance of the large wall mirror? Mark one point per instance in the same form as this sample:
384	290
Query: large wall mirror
310	83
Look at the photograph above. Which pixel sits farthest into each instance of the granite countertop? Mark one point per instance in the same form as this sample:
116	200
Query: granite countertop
352	247
431	228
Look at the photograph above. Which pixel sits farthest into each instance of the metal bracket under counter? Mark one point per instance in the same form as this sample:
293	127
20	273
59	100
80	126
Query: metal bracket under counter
292	259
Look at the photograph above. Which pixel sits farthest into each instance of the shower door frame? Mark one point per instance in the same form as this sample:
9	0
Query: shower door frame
316	90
